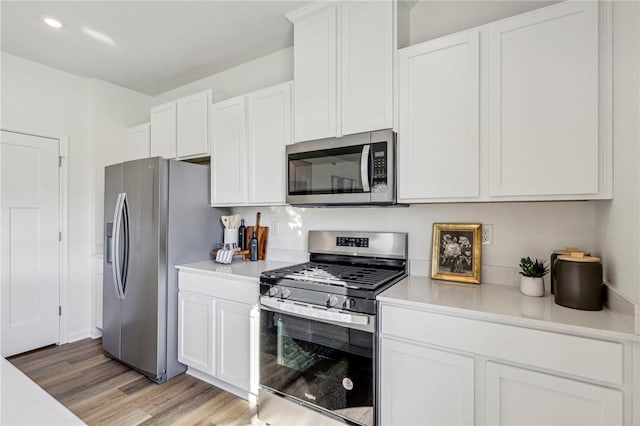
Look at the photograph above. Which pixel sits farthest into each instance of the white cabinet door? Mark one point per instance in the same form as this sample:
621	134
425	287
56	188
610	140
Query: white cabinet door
233	344
228	154
438	139
314	69
544	102
193	125
515	396
424	386
196	333
366	63
163	130
138	142
269	130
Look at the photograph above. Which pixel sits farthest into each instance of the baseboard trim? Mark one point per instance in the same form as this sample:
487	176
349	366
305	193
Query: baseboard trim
222	385
77	335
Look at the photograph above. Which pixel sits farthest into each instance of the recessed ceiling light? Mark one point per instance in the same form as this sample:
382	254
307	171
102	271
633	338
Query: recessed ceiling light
52	22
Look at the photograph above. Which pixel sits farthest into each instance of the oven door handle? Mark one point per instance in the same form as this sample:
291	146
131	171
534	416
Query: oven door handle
315	313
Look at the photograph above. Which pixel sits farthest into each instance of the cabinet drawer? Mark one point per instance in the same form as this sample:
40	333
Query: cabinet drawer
220	288
580	356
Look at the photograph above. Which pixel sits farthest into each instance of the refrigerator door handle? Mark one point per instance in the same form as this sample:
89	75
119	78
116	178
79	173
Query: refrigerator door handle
127	236
115	246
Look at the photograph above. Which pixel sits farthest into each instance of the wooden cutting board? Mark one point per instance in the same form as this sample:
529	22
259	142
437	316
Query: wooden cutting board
263	236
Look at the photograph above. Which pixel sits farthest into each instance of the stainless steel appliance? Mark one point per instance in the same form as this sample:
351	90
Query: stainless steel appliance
156	214
318	329
352	170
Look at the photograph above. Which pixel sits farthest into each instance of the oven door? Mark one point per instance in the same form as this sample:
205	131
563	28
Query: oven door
326	365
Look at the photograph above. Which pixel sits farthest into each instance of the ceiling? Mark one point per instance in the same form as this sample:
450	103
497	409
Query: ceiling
147	46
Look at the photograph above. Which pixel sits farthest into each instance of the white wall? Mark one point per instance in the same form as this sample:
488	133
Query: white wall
50	102
618	220
432	19
113	110
260	73
519	229
94	115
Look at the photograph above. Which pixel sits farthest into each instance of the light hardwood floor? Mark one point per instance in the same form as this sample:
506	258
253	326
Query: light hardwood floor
104	392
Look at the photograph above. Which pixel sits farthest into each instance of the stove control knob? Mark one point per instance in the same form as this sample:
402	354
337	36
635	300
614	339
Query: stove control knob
285	293
349	303
273	291
332	301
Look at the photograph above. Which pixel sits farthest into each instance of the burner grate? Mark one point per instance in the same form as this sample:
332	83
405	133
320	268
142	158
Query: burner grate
335	274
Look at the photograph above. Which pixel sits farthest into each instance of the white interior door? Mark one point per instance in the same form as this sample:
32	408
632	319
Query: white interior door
29	214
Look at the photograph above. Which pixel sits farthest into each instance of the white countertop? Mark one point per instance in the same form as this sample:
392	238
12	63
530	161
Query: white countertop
504	304
243	269
25	403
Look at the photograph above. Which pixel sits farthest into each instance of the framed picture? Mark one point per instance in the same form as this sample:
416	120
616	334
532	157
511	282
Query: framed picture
456	251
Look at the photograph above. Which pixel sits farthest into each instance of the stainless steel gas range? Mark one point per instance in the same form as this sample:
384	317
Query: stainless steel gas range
318	336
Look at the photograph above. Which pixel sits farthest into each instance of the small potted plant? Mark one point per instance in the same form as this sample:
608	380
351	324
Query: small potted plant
532	271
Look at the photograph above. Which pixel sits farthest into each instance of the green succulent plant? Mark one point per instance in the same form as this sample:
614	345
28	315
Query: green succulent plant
533	268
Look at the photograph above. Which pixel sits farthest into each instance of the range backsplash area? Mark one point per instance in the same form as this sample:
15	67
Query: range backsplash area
519	229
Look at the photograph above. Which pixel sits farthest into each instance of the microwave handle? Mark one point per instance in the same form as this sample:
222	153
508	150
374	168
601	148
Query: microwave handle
364	168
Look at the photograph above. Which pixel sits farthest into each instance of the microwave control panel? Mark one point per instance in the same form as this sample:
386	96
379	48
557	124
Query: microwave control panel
379	155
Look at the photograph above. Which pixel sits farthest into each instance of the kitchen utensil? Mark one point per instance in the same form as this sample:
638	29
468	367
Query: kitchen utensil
579	282
230	222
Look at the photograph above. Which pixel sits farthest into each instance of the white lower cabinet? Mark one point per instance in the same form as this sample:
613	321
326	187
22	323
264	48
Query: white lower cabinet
440	369
233	350
196	339
217	332
517	396
414	375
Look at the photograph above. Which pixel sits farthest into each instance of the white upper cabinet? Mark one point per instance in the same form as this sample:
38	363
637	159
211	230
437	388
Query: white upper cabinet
314	70
138	142
343	72
228	154
248	156
515	110
438	133
544	102
366	63
193	125
181	128
269	130
163	130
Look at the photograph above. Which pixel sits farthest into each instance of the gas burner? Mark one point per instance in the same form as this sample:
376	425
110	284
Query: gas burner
356	277
339	274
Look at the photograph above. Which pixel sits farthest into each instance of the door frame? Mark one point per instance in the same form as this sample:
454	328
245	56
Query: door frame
63	247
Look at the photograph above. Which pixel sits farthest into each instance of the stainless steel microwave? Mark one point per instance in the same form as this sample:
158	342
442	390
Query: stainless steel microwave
352	170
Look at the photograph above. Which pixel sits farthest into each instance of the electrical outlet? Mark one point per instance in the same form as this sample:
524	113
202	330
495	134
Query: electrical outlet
487	234
275	228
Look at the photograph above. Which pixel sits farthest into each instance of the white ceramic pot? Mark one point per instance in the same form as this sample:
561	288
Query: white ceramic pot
532	286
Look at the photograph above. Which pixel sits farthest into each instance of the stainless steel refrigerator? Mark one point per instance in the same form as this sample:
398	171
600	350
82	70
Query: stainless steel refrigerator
157	214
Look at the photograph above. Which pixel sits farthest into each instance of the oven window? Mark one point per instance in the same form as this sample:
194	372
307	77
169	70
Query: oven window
331	171
322	364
